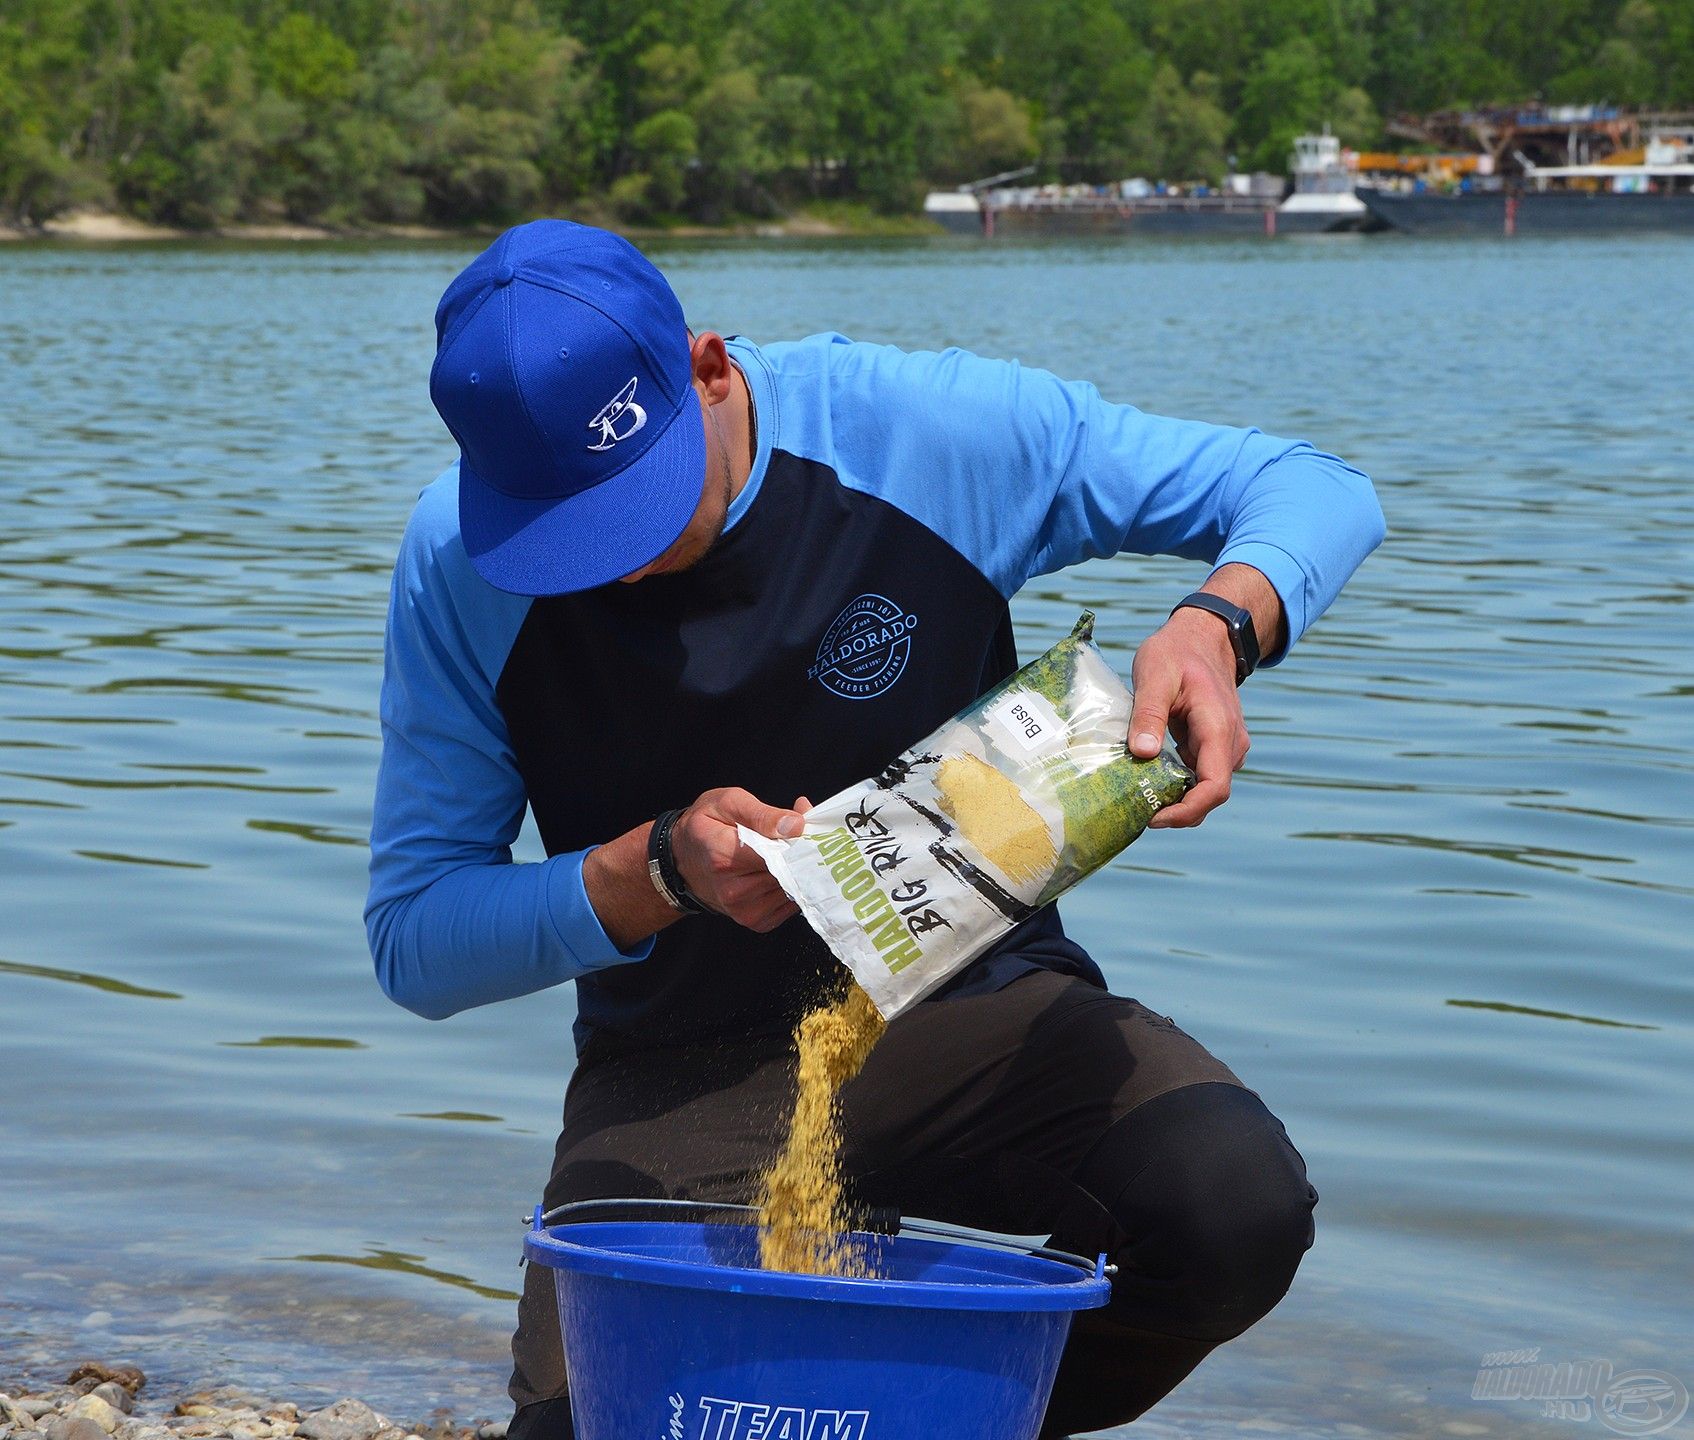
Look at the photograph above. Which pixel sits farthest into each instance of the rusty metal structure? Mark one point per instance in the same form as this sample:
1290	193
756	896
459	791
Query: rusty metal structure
1519	137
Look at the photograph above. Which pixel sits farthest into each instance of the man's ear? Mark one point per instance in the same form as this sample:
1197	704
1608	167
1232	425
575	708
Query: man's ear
711	364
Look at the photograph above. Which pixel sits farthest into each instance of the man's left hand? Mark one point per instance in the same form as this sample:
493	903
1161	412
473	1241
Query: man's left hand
1185	679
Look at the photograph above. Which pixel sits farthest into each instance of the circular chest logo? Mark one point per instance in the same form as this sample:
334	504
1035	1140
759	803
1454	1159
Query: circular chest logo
866	648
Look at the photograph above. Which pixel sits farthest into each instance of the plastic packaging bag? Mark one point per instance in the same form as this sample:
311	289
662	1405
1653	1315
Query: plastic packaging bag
911	875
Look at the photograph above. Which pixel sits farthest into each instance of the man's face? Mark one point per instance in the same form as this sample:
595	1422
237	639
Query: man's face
706	524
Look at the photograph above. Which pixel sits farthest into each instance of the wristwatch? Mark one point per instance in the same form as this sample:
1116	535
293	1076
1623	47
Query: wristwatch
1243	638
662	868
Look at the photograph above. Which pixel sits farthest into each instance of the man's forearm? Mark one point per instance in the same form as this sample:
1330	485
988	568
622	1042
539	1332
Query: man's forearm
621	890
1247	587
481	933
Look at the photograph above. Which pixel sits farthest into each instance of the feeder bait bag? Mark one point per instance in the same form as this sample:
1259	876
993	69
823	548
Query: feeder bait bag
911	875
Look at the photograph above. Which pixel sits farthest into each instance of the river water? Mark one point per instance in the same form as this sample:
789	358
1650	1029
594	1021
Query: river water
1443	927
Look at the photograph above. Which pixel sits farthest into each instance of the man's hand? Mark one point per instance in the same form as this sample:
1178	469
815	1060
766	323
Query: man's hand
723	874
1184	679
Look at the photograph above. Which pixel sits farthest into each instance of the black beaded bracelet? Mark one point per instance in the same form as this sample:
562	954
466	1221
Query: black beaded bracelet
662	868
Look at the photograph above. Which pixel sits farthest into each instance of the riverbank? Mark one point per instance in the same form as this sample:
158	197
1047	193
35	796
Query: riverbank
822	221
99	1401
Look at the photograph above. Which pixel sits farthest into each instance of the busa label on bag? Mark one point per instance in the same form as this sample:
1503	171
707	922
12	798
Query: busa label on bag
1027	720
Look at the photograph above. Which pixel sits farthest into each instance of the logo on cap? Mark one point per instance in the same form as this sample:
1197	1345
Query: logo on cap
619	407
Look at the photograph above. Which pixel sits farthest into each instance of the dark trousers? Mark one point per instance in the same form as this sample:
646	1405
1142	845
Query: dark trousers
1049	1107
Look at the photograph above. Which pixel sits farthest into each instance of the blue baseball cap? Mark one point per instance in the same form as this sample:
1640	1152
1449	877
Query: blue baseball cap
562	369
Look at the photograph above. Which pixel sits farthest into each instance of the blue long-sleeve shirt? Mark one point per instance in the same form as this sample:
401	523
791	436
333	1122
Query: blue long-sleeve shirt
918	488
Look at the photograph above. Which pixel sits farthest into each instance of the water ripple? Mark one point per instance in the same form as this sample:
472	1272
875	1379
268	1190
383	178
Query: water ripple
218	453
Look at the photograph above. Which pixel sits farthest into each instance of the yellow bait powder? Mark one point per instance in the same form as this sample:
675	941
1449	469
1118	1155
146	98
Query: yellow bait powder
992	814
802	1228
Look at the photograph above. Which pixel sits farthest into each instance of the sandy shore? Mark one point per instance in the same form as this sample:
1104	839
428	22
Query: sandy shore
102	226
98	1401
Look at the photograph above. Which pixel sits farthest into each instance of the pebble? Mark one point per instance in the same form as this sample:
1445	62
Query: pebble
92	1407
97	1402
224	1397
344	1420
114	1395
137	1427
94	1373
74	1427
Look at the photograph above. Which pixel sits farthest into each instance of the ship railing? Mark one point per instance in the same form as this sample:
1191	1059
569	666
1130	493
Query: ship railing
1112	204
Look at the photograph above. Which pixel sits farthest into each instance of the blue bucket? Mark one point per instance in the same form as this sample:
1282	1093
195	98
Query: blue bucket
671	1330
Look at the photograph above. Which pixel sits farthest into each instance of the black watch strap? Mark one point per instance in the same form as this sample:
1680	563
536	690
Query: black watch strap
1243	638
662	867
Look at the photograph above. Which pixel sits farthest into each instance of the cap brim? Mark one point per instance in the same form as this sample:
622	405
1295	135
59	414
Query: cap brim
555	547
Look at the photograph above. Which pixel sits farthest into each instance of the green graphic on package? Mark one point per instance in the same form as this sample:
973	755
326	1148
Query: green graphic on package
910	875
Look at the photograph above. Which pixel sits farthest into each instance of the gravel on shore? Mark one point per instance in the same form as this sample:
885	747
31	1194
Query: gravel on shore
97	1401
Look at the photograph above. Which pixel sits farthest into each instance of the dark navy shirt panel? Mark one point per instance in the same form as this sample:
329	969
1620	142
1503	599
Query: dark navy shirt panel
826	632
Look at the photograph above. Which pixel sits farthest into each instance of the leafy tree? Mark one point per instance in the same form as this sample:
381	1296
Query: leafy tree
304	60
987	130
1353	117
48	101
1085	71
202	166
733	149
1622	68
205	112
662	147
1287	93
1183	132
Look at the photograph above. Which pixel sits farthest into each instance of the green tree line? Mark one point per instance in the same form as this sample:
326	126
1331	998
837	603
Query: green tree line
207	112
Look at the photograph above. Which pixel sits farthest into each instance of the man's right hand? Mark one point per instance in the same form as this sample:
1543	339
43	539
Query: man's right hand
721	872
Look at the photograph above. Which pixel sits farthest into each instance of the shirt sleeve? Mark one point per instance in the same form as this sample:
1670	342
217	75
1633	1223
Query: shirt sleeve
1025	474
452	921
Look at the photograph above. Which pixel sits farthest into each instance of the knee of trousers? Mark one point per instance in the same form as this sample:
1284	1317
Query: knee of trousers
1212	1208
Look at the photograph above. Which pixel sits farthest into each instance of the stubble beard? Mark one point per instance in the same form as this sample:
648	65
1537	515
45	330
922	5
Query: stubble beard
728	492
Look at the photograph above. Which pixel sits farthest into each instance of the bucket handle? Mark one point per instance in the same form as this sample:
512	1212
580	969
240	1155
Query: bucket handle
576	1209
